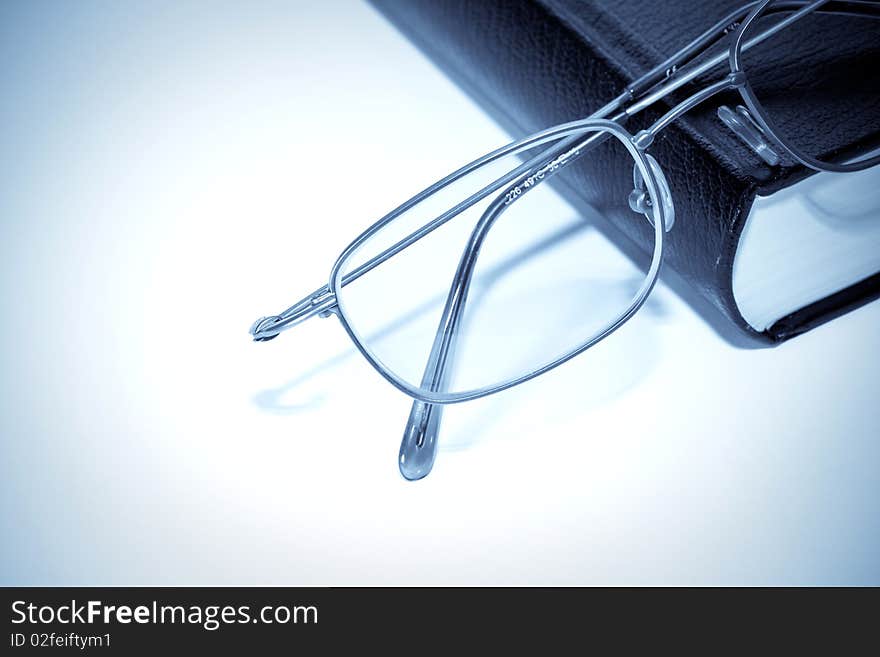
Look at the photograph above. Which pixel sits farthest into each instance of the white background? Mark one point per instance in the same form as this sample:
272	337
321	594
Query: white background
171	171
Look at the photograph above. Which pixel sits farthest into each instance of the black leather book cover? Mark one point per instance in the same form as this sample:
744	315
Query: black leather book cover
536	63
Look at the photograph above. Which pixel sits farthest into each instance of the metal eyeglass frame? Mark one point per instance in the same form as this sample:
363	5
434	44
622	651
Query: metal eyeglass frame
572	140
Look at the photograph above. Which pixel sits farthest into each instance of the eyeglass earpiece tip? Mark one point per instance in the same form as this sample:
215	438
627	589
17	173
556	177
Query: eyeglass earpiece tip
259	327
410	472
418	449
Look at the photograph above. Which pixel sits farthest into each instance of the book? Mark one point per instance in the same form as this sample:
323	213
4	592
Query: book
770	250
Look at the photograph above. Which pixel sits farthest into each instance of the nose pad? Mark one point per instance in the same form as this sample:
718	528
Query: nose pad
640	201
749	132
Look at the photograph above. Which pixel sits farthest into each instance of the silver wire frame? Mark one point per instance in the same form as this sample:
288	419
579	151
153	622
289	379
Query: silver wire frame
570	141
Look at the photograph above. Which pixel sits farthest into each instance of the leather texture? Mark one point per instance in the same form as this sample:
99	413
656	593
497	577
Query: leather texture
535	63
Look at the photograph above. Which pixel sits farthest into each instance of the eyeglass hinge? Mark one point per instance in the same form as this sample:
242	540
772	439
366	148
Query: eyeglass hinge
736	79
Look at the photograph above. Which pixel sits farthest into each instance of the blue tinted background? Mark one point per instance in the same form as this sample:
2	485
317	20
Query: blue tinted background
171	170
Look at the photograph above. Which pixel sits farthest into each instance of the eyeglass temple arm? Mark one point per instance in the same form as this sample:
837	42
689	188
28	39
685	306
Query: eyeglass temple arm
418	448
672	67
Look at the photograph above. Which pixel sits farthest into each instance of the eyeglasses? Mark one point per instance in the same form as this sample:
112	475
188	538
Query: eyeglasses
435	300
